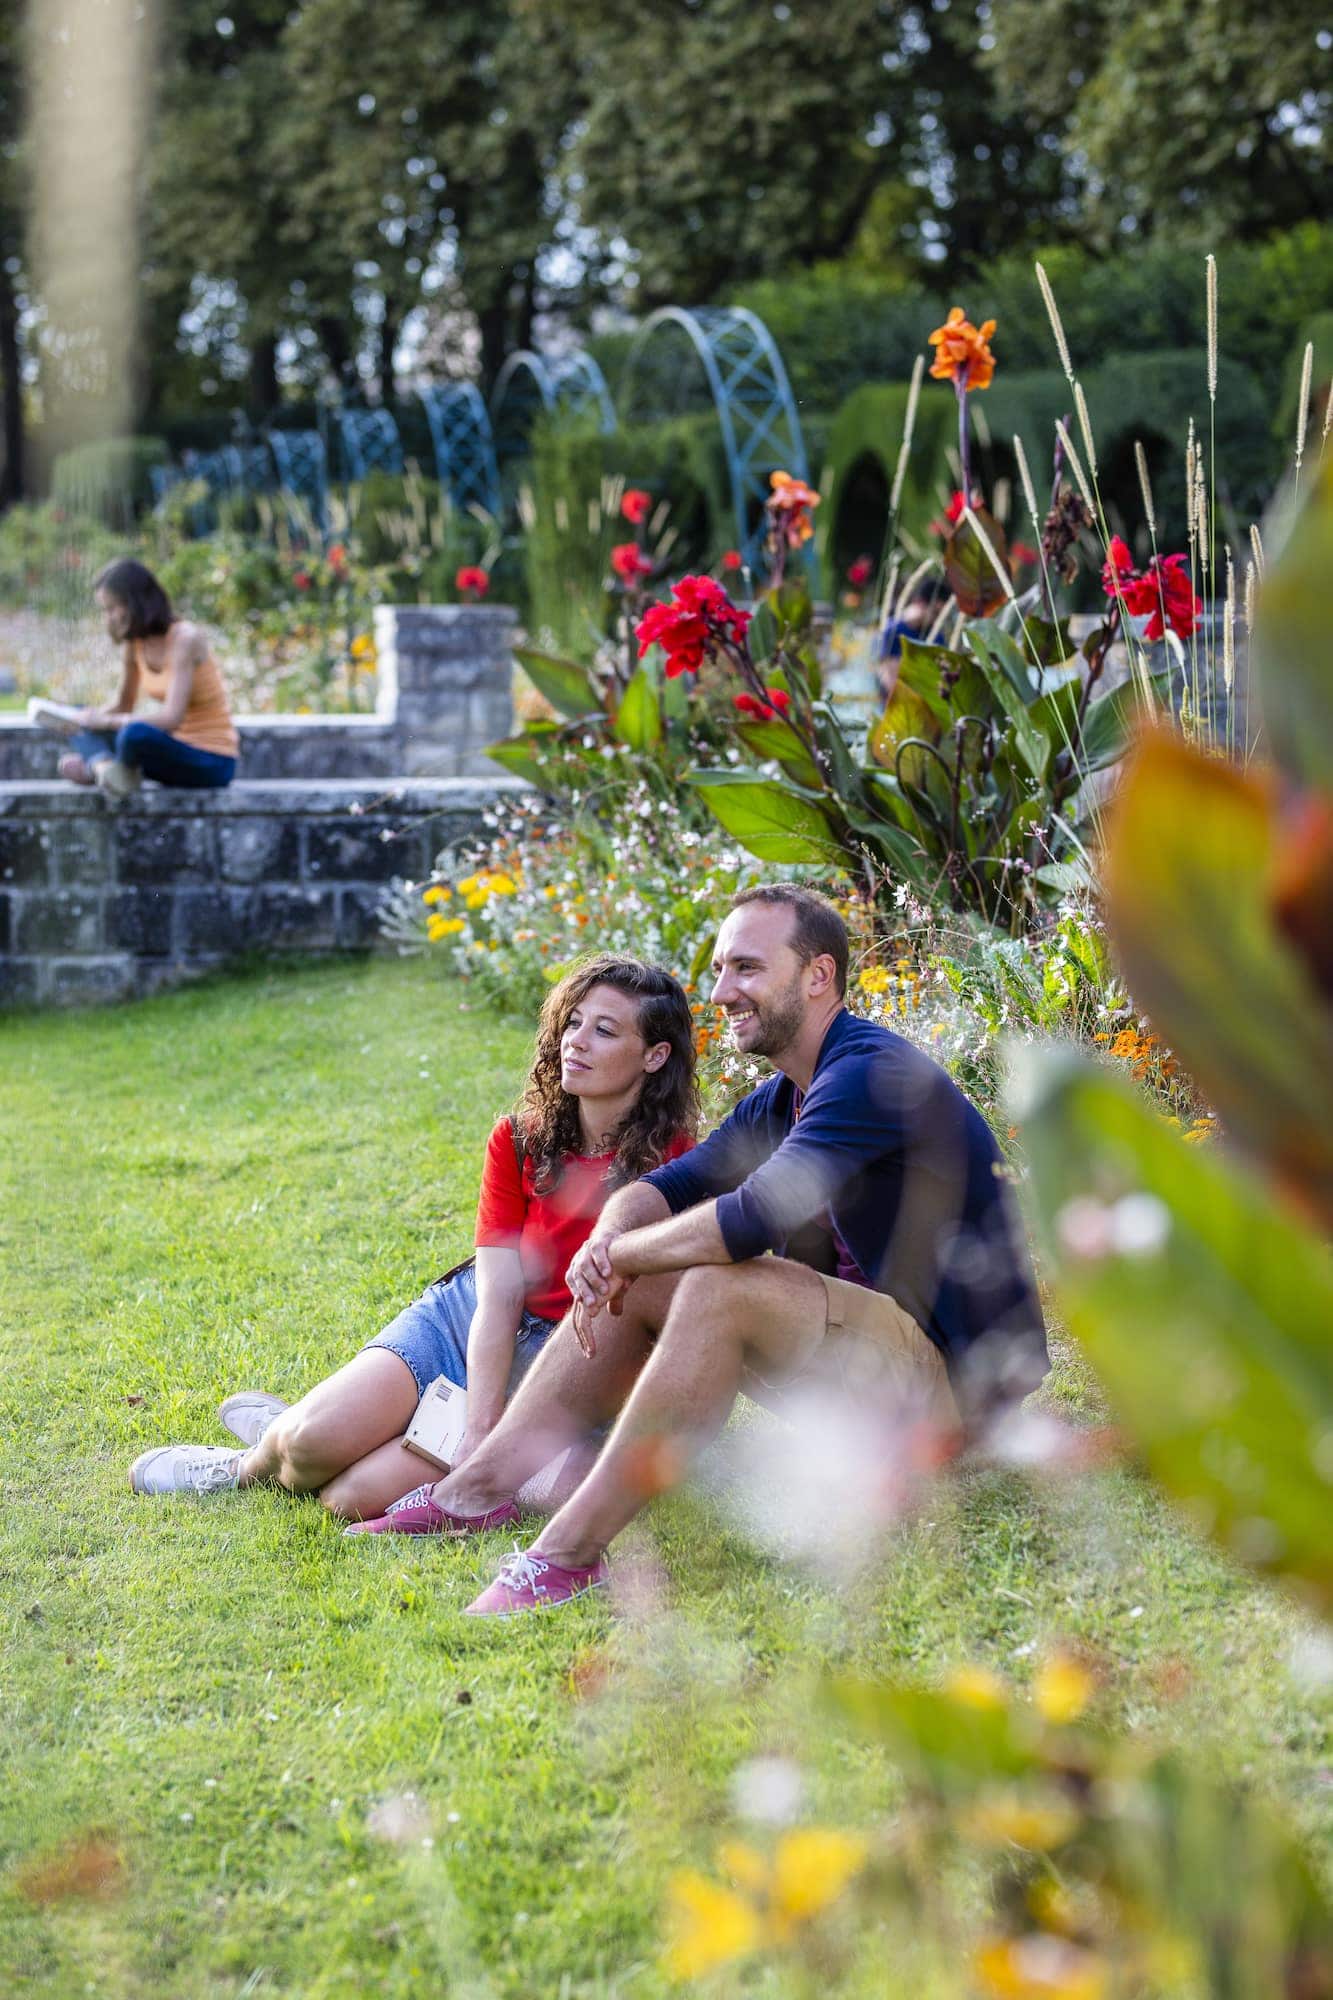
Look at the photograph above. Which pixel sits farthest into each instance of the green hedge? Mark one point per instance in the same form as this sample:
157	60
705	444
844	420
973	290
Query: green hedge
1148	397
837	327
108	481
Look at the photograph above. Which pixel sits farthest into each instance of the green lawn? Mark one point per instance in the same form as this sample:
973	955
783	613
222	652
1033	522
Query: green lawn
235	1186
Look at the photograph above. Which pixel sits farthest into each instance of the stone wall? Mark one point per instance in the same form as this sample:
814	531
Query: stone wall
102	903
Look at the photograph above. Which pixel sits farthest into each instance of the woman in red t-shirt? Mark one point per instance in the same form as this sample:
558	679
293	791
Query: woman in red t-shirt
610	1095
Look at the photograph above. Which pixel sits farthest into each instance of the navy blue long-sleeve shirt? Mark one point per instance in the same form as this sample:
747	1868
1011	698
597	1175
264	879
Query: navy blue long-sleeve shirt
889	1154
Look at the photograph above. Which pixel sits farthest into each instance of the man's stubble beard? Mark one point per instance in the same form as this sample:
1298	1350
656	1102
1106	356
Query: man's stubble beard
780	1023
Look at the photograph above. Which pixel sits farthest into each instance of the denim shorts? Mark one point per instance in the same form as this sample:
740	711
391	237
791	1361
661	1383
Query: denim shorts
431	1334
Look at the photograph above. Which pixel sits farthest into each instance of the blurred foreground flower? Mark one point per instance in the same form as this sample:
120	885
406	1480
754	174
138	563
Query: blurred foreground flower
712	1925
1038	1968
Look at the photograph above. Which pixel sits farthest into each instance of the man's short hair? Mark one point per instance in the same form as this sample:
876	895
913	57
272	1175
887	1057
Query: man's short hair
817	929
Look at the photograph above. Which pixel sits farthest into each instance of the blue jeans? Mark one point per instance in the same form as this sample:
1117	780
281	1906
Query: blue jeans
431	1334
158	755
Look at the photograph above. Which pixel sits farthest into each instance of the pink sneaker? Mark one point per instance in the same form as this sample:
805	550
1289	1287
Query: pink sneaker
526	1581
417	1514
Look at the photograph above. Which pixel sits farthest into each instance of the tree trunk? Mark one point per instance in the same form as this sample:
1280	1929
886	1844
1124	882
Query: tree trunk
335	339
492	320
11	387
264	374
390	327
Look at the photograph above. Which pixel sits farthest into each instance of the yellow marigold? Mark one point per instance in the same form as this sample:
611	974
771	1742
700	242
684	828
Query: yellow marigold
436	893
363	648
1063	1688
875	979
441	927
709	1926
1038	1968
1037	1824
962	355
812	1867
976	1687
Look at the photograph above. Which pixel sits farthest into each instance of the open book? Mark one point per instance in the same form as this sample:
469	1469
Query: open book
42	710
436	1431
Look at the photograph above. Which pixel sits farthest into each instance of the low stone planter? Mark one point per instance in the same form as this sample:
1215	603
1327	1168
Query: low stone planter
99	902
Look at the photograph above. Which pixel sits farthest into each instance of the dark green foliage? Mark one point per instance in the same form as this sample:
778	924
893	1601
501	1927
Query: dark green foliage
108	480
681	462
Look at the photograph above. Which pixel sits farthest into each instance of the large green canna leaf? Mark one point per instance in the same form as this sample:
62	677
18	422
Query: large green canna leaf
777	739
1111	720
639	719
1291	648
772	820
520	754
1189	863
564	683
1204	1306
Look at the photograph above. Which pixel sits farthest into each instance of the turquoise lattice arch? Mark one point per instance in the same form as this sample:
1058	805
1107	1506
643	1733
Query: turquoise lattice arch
756	411
460	430
571	383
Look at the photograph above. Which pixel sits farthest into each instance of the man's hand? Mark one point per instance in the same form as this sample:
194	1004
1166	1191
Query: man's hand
594	1286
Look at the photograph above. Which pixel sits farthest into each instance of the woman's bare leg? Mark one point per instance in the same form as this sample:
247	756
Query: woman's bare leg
344	1419
365	1489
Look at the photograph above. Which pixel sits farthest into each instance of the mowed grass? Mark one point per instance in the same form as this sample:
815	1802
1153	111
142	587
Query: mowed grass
315	1776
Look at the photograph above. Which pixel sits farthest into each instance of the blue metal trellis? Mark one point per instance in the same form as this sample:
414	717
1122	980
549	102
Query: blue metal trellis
303	469
370	442
460	430
761	432
571	383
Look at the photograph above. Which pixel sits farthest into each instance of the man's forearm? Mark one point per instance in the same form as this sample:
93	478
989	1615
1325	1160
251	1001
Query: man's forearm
673	1245
633	1207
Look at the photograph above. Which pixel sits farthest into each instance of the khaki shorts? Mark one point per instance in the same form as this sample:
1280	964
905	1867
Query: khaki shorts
868	1346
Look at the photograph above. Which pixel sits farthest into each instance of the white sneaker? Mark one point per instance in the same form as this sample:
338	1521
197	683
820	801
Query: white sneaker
185	1468
117	780
249	1415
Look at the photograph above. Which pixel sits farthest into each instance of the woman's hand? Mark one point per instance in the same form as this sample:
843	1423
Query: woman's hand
595	1286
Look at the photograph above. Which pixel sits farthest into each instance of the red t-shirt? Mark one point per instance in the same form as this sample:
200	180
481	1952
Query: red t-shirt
545	1229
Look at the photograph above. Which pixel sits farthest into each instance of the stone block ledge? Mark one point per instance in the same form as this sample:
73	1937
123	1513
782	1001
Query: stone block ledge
105	902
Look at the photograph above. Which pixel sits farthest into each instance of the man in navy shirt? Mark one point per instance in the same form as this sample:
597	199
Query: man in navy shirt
851	1216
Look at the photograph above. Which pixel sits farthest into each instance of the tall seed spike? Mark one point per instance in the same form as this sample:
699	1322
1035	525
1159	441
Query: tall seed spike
1228	629
1085	426
1250	584
1057	324
1076	467
1211	271
1029	490
909	425
1256	543
1145	486
1303	403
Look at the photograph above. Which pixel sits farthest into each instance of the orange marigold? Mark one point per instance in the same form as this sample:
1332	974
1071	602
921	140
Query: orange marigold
962	355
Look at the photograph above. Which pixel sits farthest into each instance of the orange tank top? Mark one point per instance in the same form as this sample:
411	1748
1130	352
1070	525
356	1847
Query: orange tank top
206	723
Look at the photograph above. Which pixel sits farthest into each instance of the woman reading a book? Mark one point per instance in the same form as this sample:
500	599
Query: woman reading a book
610	1094
188	738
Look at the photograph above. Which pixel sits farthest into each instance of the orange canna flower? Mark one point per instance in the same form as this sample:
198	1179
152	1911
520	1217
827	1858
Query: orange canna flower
962	355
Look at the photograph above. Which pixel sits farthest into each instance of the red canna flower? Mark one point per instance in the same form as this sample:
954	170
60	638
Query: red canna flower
732	559
698	620
778	703
629	562
1022	552
1163	593
472	582
962	353
636	505
860	572
953	512
301	579
337	557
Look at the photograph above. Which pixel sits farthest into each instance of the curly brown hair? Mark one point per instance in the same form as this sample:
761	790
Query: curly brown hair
547	1119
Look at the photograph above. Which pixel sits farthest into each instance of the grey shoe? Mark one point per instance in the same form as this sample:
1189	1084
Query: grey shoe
248	1415
117	780
185	1468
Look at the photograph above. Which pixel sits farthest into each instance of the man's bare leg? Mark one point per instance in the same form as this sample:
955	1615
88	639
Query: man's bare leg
564	1395
721	1320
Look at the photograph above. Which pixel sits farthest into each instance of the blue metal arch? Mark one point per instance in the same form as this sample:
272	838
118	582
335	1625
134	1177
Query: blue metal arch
460	430
756	411
370	442
571	383
303	469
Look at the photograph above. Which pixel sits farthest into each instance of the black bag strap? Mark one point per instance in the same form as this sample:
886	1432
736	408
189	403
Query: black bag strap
520	1155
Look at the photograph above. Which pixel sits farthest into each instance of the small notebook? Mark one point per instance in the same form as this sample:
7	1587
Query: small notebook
436	1431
